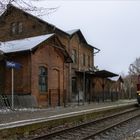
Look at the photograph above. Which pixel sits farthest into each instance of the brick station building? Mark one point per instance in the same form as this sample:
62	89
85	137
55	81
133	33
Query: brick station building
46	53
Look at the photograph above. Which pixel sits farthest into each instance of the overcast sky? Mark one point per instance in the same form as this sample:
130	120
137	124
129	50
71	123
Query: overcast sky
113	26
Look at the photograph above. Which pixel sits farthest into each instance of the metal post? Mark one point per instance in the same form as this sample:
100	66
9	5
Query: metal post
12	88
84	87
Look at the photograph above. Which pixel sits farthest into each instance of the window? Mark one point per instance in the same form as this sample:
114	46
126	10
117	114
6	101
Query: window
88	60
16	28
74	56
43	79
84	59
13	28
20	27
74	85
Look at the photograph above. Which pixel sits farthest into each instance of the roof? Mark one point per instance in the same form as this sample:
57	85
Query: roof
23	44
104	74
78	31
100	74
71	32
28	44
30	14
116	78
68	33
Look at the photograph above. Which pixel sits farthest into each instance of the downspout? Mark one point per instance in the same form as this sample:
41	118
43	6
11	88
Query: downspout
84	78
30	72
64	92
98	50
79	55
70	74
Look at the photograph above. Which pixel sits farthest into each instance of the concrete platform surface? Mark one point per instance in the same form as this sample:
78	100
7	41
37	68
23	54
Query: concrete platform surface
24	115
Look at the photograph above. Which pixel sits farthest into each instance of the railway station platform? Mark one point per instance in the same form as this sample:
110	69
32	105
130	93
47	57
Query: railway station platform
24	123
9	116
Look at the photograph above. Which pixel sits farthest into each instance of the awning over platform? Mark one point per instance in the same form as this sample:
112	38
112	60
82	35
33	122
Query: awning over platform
104	74
101	73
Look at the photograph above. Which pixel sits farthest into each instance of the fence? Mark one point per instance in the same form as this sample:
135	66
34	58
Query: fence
20	101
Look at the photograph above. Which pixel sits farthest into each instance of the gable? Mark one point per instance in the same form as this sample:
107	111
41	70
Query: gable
31	26
58	47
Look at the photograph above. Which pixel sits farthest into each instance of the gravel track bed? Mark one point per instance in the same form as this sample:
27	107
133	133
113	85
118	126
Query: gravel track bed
127	131
91	128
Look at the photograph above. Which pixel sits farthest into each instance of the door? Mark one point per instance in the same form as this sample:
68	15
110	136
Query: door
55	88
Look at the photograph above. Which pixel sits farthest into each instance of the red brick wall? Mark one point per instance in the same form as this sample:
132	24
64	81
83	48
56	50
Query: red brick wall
81	48
31	26
21	76
47	56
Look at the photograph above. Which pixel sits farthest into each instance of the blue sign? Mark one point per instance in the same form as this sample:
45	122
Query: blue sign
11	64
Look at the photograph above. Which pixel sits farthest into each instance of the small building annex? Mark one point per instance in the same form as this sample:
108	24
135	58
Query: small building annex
42	73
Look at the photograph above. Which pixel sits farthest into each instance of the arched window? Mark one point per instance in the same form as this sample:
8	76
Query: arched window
43	79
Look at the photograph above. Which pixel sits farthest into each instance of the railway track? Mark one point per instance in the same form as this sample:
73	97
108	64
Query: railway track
91	129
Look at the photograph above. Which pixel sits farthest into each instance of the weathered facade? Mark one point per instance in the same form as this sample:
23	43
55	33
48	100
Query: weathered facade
17	24
83	61
71	81
20	24
42	73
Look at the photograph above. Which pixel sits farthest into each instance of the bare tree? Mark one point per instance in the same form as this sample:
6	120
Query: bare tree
132	78
134	68
28	6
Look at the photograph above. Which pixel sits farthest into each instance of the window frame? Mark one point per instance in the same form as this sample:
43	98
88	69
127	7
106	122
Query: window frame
74	56
20	27
89	61
13	28
84	59
16	28
43	79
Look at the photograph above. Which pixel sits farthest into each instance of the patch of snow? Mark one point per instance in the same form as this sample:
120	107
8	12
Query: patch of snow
4	111
114	78
70	32
23	44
